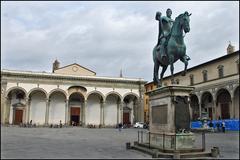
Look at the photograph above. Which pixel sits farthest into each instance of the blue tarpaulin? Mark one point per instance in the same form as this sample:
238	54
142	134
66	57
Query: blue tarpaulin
230	124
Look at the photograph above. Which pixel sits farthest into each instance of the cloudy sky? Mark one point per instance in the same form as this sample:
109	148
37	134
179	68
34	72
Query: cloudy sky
108	36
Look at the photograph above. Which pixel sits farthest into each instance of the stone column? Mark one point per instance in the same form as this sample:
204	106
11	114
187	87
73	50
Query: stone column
47	112
29	109
26	110
234	109
214	109
69	113
200	109
9	111
231	105
135	112
121	109
84	113
66	112
6	110
118	108
102	113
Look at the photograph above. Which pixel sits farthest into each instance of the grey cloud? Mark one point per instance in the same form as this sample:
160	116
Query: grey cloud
108	36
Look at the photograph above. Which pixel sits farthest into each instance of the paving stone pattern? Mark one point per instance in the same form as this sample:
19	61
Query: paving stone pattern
82	143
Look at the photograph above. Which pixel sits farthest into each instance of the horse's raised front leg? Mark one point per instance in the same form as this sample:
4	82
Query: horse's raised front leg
185	61
155	74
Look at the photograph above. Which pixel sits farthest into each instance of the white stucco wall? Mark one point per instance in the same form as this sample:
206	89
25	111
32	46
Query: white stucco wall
47	87
57	108
38	108
93	110
110	111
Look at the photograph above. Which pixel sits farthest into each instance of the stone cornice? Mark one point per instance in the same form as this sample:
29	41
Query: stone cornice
171	89
216	85
54	76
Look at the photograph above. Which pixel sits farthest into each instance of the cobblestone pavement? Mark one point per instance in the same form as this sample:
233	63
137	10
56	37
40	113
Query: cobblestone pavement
78	143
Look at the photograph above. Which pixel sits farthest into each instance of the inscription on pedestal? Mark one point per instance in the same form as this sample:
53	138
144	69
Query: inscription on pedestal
182	114
159	114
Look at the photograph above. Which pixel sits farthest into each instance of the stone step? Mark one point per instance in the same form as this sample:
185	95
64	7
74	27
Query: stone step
153	152
196	154
157	154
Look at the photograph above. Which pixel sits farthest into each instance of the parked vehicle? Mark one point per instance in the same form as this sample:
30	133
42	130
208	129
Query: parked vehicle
138	125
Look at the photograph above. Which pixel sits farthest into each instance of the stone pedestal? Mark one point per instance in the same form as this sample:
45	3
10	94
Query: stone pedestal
170	117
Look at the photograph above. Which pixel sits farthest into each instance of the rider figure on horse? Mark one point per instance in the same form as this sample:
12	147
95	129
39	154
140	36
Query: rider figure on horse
165	26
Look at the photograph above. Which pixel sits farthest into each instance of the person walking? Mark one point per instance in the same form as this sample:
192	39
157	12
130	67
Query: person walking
60	124
223	126
211	125
119	127
218	126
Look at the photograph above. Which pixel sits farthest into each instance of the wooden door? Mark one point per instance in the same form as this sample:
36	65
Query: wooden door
75	111
126	118
225	111
75	115
18	116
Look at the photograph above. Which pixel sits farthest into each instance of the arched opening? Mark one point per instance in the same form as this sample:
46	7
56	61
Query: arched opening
207	105
80	89
76	101
130	109
38	103
94	115
236	103
223	104
112	110
57	107
194	106
16	107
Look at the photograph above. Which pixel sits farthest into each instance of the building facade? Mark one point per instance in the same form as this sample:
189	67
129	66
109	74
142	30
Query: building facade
71	94
216	82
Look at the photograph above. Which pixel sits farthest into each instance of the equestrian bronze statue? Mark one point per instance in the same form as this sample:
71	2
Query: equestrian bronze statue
170	47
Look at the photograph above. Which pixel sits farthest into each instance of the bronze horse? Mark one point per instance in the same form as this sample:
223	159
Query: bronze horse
175	49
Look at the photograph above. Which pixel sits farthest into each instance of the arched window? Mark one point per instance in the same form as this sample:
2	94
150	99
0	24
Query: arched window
191	79
205	78
220	71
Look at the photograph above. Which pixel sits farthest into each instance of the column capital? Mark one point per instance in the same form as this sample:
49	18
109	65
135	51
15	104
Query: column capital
27	99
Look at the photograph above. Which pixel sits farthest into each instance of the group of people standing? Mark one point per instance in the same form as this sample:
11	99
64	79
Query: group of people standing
220	126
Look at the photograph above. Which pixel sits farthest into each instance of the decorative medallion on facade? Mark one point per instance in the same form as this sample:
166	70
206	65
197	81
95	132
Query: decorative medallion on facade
75	68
